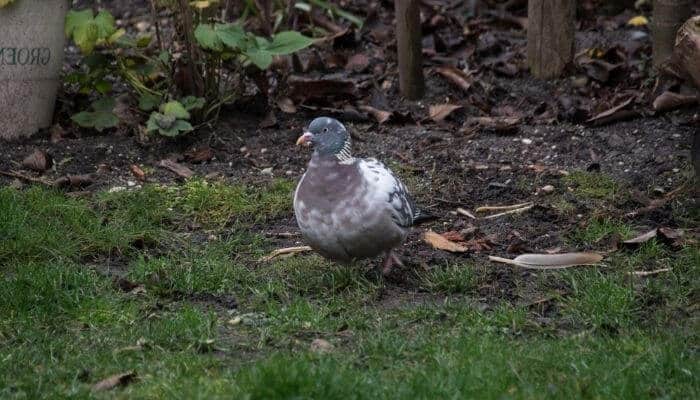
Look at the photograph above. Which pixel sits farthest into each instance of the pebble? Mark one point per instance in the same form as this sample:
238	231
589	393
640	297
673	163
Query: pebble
263	150
288	172
547	189
116	189
243	149
130	183
321	346
266	171
526	141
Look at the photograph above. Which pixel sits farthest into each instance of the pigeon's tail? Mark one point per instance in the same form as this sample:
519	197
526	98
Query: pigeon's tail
422	216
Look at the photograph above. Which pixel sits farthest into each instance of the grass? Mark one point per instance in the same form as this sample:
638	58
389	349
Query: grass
65	324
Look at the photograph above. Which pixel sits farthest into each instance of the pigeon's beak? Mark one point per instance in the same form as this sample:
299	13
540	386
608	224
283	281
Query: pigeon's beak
305	139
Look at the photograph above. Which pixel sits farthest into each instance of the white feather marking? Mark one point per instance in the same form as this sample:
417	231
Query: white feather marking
385	190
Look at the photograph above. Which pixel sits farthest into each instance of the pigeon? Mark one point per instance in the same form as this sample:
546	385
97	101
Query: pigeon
351	208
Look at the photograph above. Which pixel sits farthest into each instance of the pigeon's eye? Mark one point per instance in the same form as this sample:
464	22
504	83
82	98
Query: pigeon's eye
325	130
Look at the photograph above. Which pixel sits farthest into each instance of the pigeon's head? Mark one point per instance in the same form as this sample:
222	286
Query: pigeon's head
328	136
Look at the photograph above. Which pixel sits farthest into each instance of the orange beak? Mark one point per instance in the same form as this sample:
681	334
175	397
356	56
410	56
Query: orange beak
305	139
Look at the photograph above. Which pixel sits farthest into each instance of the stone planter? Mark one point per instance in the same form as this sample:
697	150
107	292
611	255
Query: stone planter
31	57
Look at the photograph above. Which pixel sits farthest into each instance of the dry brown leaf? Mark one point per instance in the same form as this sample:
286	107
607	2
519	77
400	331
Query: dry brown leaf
199	155
179	169
286	105
321	346
453	236
551	261
439	112
114	381
357	62
613	114
74	181
39	160
380	116
456	77
668	101
497	124
286	251
643	238
441	243
137	172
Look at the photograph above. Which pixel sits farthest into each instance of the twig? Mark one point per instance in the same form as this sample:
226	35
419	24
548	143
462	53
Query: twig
286	250
515	211
462	211
501	208
154	16
656	203
25	178
648	273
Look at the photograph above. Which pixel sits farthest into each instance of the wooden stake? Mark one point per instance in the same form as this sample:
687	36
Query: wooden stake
667	17
550	36
408	44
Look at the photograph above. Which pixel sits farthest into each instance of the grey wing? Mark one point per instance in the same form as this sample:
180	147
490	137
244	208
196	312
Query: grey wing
388	188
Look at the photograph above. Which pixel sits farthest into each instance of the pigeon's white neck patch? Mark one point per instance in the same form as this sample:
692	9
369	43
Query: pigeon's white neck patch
344	155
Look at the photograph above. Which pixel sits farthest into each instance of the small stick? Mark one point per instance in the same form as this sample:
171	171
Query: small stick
462	211
25	178
515	211
286	250
501	208
154	16
648	273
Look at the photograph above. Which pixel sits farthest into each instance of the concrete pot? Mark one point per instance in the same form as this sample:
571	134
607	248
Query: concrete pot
31	57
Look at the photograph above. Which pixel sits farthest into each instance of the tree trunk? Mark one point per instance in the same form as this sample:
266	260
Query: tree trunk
550	36
668	16
408	43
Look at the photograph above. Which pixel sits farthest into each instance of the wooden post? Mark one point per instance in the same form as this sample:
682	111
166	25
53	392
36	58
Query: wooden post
668	16
550	36
408	44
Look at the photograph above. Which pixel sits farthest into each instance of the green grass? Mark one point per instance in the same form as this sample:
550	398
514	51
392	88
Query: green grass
65	324
593	185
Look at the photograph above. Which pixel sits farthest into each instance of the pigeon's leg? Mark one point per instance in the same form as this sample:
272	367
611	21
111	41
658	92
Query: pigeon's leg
389	260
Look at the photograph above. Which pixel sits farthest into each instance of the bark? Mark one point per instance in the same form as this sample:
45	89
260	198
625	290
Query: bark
687	49
667	17
408	43
550	36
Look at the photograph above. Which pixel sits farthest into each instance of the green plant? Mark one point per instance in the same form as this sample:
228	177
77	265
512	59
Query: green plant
100	118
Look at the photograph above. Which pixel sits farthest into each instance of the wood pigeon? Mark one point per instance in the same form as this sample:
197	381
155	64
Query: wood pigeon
350	208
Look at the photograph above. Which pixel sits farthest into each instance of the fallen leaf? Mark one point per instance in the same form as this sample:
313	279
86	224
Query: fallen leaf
199	155
114	381
39	160
286	105
668	101
497	124
672	237
357	62
380	116
639	20
614	114
74	181
551	261
456	76
453	236
179	169
286	251
321	346
137	172
269	121
439	112
441	243
643	238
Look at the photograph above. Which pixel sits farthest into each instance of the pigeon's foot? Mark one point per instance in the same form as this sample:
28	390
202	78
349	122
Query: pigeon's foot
390	259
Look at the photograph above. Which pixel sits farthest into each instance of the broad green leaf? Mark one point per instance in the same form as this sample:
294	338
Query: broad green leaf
164	57
175	109
152	124
85	36
103	86
105	24
99	120
116	36
103	104
143	41
207	37
148	101
192	103
288	42
231	35
75	19
261	58
183	126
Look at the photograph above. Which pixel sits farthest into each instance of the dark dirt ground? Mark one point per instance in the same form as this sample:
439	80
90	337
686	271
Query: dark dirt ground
447	164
